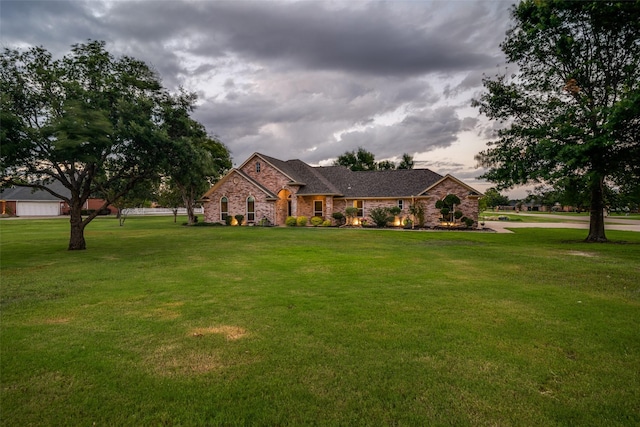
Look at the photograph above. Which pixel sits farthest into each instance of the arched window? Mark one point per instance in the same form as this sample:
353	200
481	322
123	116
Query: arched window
251	209
224	208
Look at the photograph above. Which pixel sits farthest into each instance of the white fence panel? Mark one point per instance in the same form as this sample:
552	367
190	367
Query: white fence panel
159	211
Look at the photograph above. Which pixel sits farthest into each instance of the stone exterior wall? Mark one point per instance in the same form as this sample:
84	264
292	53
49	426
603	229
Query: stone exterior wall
306	206
468	203
268	176
237	189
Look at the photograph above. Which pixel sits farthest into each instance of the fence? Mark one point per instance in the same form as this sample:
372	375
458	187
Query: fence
158	211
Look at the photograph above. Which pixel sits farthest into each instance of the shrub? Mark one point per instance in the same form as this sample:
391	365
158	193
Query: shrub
228	220
469	222
239	218
326	223
316	221
351	212
302	221
290	221
264	222
380	216
457	214
339	217
417	210
394	210
446	206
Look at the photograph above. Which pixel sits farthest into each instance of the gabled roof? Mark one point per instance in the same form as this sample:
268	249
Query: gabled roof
472	191
340	181
302	174
28	194
228	176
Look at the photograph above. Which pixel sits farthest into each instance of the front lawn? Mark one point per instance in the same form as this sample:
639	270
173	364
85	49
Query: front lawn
160	324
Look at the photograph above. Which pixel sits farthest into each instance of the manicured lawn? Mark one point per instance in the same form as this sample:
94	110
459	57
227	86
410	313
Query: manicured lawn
159	324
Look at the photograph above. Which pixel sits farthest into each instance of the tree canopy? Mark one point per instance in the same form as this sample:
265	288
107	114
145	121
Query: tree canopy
493	198
95	123
363	160
197	159
572	109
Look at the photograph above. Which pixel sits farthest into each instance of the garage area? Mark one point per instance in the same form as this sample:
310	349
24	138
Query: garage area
25	201
38	208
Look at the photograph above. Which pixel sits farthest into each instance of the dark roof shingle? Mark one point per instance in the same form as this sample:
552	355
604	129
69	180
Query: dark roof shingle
29	194
343	182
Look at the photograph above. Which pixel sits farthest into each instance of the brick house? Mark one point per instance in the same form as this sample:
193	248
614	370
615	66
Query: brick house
267	188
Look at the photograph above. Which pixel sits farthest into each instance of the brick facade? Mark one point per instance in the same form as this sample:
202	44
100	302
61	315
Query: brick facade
276	196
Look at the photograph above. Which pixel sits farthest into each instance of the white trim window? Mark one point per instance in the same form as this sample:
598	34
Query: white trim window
360	205
251	209
401	204
224	208
318	208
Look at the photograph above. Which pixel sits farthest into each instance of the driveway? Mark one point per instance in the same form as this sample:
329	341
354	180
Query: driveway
579	222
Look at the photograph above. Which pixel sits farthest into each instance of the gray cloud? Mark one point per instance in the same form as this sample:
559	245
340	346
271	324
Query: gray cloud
296	79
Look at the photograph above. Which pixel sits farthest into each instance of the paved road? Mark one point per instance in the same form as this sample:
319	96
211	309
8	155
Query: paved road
581	222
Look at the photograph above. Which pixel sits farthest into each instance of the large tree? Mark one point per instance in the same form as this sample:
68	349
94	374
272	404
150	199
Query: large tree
572	108
493	198
197	159
406	162
89	120
361	160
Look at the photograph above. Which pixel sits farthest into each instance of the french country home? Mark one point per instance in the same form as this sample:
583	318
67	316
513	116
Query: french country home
265	190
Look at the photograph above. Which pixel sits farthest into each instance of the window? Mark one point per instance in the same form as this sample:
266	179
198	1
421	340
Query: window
257	166
224	208
401	204
251	209
360	205
317	208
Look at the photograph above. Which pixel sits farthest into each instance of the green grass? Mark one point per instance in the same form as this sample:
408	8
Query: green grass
159	324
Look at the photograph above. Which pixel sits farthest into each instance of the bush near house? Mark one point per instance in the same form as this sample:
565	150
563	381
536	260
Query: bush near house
291	221
339	217
352	213
417	211
381	216
239	219
302	221
316	221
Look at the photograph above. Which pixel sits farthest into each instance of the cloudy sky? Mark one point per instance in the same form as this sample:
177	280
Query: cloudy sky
303	79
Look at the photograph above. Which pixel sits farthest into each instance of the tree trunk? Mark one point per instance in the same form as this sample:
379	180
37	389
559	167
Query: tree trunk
76	239
190	214
188	203
596	216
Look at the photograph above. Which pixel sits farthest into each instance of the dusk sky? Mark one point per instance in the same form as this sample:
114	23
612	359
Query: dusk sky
304	80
